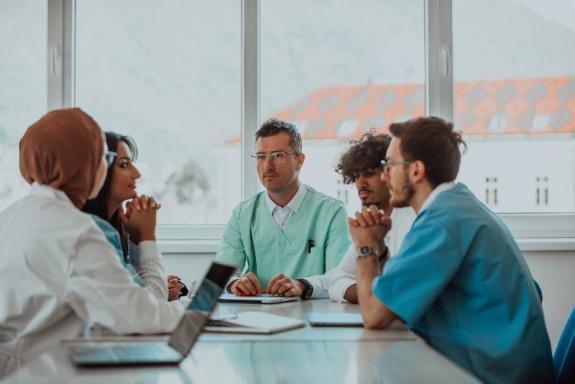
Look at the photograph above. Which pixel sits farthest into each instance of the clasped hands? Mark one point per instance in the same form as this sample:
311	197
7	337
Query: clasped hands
139	218
281	285
369	227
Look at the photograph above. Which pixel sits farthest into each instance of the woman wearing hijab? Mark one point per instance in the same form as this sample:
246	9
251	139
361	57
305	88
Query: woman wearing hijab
133	231
58	273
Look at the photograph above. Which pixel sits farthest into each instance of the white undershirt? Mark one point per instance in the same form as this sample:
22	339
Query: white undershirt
282	214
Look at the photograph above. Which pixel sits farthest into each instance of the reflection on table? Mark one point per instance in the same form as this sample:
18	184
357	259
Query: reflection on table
310	354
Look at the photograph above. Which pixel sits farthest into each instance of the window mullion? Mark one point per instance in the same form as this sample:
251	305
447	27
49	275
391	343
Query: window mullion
60	54
250	93
439	59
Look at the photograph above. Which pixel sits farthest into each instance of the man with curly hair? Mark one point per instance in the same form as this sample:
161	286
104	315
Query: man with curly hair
361	165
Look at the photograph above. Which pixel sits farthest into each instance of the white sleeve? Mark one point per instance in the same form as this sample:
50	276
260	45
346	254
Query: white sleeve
102	292
151	270
319	284
343	276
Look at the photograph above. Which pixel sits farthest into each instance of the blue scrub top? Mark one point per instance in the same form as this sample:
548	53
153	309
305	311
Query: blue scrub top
461	282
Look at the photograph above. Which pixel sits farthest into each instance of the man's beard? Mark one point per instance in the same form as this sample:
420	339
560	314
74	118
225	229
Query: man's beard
408	191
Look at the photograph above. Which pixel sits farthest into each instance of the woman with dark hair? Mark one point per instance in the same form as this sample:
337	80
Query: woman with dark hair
58	273
132	231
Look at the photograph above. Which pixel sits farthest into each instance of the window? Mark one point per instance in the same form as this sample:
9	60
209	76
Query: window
336	69
22	86
183	81
170	77
515	102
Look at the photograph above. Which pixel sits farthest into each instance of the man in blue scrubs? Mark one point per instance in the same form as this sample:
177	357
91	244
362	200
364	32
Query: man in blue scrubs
286	237
459	279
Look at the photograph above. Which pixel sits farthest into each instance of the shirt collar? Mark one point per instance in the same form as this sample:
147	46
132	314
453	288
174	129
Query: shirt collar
47	191
294	204
433	195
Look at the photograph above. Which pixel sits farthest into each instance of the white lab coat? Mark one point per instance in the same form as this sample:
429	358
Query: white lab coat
339	279
58	274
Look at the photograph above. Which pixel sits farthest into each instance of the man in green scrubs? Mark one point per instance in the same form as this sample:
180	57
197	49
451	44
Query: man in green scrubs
285	237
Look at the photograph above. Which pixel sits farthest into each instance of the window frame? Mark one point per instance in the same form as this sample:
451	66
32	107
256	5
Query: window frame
541	231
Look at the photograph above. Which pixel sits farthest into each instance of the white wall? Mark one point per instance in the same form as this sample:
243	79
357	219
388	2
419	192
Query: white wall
554	271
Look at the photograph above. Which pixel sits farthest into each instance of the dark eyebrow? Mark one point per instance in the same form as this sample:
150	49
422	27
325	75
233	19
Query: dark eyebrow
125	158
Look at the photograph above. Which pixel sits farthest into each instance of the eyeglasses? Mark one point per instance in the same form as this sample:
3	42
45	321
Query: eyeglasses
276	157
387	164
110	156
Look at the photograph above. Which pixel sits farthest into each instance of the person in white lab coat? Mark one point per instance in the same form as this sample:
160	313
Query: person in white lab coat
58	274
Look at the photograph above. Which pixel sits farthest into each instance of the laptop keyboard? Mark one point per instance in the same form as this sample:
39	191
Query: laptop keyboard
129	353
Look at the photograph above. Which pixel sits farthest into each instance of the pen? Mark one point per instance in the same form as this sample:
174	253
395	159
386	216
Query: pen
310	245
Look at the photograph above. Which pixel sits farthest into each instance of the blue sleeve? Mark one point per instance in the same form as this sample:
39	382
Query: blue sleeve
231	250
414	278
337	241
113	237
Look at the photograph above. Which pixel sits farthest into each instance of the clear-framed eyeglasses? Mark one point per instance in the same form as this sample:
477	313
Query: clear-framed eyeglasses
276	156
387	164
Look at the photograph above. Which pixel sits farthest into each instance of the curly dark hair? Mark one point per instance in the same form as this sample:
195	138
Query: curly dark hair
365	153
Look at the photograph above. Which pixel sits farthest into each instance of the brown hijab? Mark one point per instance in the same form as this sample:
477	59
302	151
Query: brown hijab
63	150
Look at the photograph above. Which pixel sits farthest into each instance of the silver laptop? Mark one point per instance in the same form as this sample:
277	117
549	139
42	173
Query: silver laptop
181	340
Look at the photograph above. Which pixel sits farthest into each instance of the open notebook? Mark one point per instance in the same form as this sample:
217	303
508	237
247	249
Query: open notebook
254	322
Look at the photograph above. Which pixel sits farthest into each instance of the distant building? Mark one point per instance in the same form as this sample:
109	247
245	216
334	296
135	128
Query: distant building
521	136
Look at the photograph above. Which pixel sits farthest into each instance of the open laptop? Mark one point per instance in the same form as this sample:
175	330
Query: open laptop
181	339
227	297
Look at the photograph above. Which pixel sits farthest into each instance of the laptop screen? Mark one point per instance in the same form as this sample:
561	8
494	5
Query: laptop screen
185	334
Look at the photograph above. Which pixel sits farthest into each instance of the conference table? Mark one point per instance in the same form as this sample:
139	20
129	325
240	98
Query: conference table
304	355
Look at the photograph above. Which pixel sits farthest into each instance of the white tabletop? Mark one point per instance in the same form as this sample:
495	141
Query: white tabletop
305	355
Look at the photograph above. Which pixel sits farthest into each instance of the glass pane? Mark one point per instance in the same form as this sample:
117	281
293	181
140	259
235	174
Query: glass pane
515	102
169	76
337	68
23	26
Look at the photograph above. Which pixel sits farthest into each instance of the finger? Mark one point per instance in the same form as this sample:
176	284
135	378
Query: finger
144	201
256	283
352	222
135	204
237	288
290	292
273	281
248	286
360	219
284	287
385	221
234	288
366	214
170	277
153	203
274	289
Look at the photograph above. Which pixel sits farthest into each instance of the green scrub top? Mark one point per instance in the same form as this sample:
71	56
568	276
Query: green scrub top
254	242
